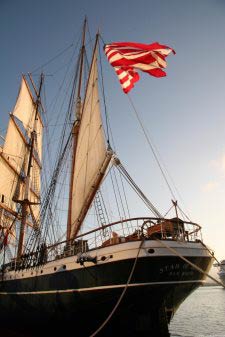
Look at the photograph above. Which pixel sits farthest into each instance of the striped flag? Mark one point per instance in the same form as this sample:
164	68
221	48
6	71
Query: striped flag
127	57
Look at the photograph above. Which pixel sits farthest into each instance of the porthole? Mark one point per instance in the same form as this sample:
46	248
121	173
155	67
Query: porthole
55	268
64	266
103	258
151	250
41	271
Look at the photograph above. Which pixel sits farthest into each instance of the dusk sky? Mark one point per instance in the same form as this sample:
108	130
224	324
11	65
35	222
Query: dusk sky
184	113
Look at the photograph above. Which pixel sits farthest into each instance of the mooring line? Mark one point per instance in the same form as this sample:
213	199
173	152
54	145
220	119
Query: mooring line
190	263
121	296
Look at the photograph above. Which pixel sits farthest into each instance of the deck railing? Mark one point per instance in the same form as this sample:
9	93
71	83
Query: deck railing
122	231
127	230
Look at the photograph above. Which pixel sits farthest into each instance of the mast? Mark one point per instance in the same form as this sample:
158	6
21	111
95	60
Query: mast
76	126
82	59
25	203
91	156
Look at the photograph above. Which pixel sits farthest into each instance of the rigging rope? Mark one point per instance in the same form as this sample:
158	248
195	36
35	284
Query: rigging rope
104	100
58	54
100	209
119	193
157	158
122	294
47	212
151	146
147	202
124	194
190	263
53	58
114	191
184	215
62	153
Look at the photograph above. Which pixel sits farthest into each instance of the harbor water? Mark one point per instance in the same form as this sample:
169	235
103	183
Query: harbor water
202	314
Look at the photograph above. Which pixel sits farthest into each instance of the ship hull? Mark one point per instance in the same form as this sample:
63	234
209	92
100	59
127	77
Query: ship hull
141	312
85	295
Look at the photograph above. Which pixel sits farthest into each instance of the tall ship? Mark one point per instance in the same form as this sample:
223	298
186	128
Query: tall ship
79	268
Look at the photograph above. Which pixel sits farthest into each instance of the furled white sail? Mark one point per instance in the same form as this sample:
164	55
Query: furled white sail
91	158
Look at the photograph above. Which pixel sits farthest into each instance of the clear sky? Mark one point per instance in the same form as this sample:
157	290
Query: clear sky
184	113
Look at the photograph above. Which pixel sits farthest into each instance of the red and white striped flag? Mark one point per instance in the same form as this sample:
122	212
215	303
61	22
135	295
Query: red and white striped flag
126	57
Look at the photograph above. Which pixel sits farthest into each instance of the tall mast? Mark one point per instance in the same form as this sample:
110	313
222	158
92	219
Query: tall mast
82	59
25	203
76	126
92	155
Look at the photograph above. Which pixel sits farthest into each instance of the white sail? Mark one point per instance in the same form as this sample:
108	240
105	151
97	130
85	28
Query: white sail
15	152
8	183
91	158
24	108
15	148
13	164
25	111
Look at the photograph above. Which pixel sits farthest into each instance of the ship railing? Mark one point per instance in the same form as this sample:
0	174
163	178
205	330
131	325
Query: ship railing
127	230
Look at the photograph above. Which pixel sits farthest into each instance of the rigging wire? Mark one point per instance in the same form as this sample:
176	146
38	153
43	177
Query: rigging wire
97	214
89	34
47	208
57	95
168	211
104	100
184	214
65	153
53	58
150	145
114	191
67	120
139	192
104	206
61	151
153	149
119	193
102	39
124	194
109	134
121	200
58	54
37	234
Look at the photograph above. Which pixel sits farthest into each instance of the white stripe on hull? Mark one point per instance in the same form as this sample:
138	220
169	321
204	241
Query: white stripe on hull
119	252
98	288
